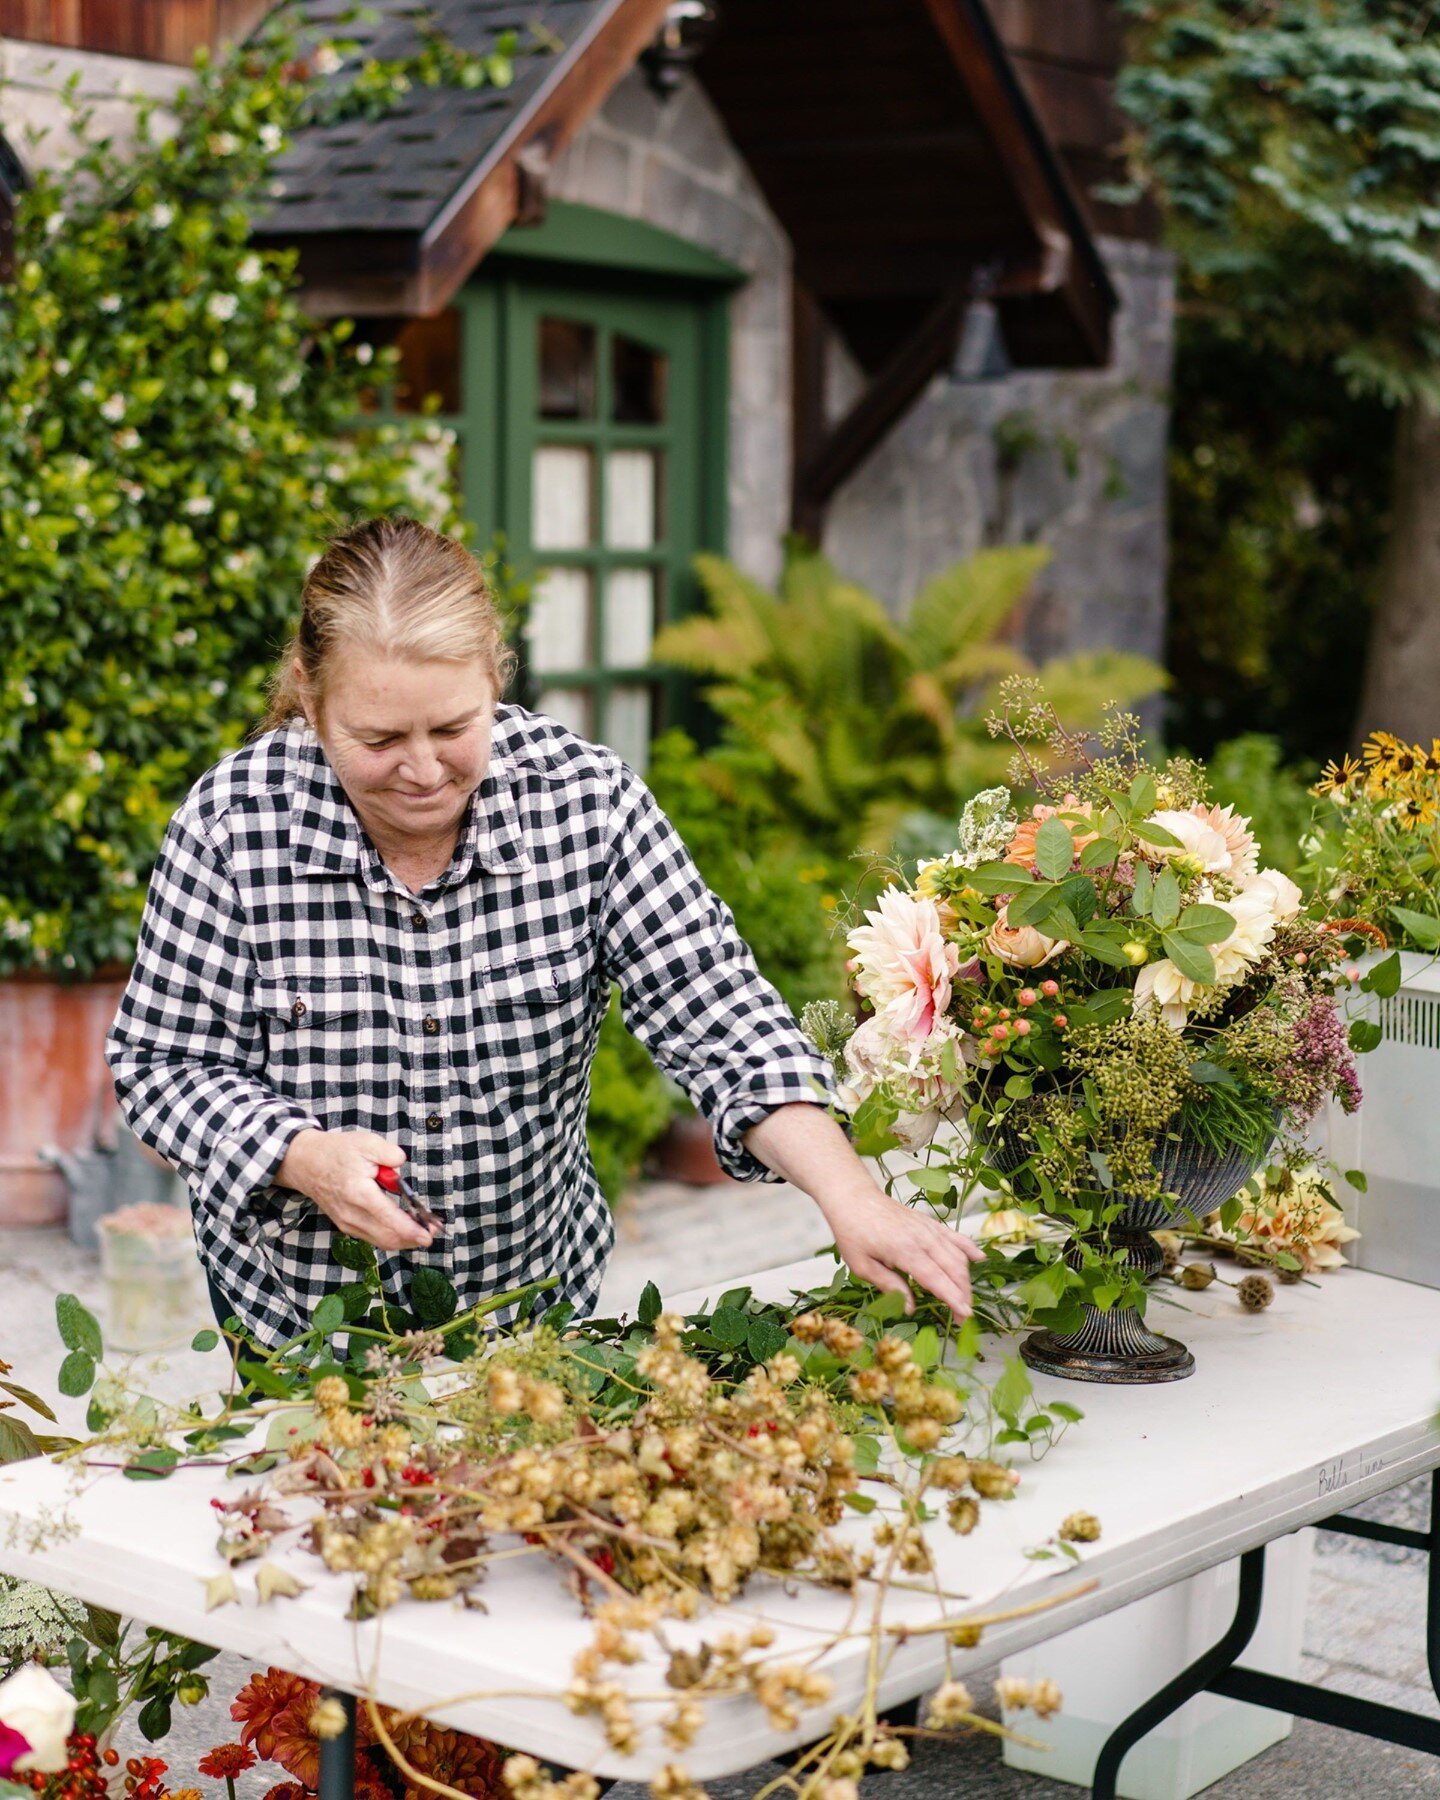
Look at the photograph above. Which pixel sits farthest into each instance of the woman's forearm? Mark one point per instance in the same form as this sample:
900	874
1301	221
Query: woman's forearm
804	1145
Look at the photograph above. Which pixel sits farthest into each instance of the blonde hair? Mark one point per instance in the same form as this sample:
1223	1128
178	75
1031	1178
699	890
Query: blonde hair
394	586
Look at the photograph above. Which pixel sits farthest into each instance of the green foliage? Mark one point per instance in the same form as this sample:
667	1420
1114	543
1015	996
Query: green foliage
842	720
176	439
630	1105
33	1622
1296	154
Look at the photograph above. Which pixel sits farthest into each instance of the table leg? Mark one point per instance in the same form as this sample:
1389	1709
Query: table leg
337	1754
1188	1682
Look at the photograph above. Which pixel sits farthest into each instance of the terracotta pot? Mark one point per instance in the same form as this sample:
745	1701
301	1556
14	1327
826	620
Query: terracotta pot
686	1152
54	1087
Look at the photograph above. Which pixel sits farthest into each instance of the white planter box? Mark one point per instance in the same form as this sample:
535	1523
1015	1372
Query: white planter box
1395	1136
1109	1667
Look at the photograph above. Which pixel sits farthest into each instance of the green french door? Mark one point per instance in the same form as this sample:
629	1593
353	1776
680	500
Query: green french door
594	439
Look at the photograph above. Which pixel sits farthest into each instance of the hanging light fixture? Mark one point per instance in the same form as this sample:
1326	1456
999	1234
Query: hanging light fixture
684	32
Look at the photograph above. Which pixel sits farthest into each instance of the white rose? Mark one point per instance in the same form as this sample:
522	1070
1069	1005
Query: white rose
1161	984
33	1703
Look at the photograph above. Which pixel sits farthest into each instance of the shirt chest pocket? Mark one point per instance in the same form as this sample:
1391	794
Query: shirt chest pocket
325	1038
535	1009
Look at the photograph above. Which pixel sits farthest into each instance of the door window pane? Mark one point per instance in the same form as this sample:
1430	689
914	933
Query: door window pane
560	498
637	383
567	369
570	707
627	724
629	618
559	627
630	499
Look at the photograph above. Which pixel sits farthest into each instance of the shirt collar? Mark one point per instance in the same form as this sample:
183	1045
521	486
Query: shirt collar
327	838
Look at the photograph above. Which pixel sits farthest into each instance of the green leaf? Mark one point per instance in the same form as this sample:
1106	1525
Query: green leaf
31	1400
205	1340
1054	849
78	1329
765	1339
1165	904
155	1718
1385	978
77	1374
432	1298
1421	926
352	1253
999	878
1019	1087
651	1305
861	1503
1143	793
1205	924
1142	893
18	1442
1031	906
1062	1409
1155	834
1099	854
1365	1036
1358	1180
1192	960
1012	1391
932	1181
926	1348
1104	949
736	1297
867	1455
1230	1212
1211	1074
730	1325
152	1465
329	1315
262	1376
1078	894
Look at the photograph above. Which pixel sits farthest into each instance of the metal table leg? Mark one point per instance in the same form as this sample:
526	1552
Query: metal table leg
337	1754
1188	1682
1215	1672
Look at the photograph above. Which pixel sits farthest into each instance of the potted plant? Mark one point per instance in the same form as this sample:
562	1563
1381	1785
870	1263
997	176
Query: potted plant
176	439
1120	1009
1373	855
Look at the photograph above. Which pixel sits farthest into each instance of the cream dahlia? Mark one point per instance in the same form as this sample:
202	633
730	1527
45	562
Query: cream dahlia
902	962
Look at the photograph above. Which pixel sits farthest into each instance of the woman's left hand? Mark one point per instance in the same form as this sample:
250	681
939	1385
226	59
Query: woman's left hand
883	1241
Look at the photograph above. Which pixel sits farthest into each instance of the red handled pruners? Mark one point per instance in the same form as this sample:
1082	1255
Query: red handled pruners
408	1200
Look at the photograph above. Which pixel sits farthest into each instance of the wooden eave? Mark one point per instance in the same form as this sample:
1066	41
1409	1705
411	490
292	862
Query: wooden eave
390	273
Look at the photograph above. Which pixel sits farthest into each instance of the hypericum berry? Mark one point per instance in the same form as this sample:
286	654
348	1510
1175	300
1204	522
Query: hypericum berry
1060	1021
1027	997
1022	1028
1049	989
1004	1012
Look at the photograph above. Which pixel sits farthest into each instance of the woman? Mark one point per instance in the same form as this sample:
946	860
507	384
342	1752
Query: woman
385	932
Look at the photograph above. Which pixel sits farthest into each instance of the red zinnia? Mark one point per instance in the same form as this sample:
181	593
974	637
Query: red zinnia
226	1761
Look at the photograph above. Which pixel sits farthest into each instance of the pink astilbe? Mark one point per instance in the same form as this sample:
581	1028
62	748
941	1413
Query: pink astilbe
1320	1063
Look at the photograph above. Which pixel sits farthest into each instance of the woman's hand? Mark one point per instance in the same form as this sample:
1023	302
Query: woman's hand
337	1170
881	1240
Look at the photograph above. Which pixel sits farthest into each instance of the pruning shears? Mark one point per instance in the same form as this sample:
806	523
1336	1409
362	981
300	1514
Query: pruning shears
407	1199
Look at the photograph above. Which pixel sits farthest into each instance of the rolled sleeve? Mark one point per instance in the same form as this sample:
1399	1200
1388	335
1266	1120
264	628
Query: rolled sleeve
187	1046
690	989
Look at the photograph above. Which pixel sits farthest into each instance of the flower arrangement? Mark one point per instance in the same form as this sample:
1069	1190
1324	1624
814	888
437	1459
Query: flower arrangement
1373	850
1081	986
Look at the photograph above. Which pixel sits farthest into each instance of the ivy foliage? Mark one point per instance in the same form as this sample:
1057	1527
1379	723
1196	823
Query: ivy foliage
1295	145
177	439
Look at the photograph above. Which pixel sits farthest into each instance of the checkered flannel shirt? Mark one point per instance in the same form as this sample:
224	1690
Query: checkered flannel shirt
285	978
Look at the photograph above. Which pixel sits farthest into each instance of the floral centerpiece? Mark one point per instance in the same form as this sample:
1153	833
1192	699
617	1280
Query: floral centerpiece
1121	1009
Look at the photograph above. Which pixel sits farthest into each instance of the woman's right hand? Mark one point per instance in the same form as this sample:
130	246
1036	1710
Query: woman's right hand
337	1170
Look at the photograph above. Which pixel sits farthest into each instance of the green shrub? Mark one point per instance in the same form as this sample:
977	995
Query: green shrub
630	1105
1248	774
176	440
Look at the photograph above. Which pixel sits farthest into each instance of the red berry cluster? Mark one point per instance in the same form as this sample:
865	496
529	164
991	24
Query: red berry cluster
999	1028
82	1778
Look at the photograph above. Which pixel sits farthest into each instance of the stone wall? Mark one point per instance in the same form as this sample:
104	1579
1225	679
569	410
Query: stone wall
670	163
1075	460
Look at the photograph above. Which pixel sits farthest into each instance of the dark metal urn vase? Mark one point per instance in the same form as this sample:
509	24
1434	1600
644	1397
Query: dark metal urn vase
1117	1345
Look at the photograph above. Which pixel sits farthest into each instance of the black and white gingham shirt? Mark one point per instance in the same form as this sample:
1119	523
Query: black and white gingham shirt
285	978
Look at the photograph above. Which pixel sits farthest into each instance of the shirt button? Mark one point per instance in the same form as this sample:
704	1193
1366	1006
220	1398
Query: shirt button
298	1009
433	1122
418	920
432	1026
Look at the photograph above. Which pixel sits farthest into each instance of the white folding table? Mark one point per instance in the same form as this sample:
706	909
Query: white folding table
1327	1398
